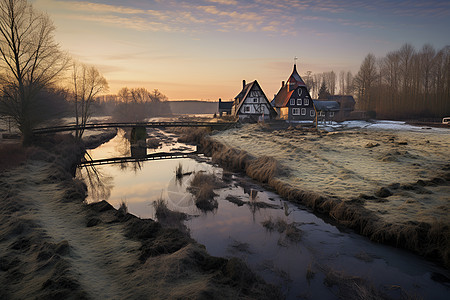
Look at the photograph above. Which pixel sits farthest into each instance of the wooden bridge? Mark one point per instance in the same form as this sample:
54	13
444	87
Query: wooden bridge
216	125
152	156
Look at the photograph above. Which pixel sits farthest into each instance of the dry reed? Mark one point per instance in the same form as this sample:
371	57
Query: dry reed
202	187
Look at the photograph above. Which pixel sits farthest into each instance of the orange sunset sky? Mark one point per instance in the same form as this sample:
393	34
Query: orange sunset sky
204	49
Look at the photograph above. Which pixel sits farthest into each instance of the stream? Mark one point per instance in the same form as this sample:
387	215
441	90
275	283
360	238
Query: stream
307	256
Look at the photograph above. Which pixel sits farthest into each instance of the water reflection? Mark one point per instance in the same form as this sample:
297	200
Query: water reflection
99	184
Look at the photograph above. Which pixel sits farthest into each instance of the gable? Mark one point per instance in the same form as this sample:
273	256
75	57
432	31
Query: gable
255	97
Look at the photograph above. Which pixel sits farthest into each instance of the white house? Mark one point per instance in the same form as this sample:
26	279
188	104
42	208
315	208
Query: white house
251	104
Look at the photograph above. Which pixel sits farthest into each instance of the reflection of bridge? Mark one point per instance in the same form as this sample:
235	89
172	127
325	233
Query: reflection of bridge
216	125
152	156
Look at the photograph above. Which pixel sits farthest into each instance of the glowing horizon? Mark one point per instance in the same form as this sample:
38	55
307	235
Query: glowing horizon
203	49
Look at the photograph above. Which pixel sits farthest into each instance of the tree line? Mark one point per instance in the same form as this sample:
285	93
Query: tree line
39	81
404	84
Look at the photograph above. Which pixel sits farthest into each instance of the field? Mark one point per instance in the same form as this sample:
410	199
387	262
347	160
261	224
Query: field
397	174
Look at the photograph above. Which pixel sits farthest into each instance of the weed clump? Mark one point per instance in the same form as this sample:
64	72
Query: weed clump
153	143
235	200
202	187
179	171
290	230
167	217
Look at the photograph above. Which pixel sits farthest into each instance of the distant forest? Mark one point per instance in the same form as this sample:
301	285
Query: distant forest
405	84
155	104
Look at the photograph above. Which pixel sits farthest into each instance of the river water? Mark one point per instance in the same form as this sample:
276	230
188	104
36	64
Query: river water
316	260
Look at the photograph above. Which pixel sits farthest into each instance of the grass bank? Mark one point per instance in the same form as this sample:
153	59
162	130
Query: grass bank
375	190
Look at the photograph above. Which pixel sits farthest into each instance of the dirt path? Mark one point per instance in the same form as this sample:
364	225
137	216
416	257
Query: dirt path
99	255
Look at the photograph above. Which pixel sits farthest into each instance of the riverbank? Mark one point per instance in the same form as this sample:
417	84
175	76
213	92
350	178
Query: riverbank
53	245
391	186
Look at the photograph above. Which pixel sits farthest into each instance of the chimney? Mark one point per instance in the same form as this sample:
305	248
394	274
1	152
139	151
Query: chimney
282	83
243	83
220	100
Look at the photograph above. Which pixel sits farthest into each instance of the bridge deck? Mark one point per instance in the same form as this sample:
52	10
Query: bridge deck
153	156
131	125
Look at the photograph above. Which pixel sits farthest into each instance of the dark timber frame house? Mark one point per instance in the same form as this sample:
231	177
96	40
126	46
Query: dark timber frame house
251	104
293	101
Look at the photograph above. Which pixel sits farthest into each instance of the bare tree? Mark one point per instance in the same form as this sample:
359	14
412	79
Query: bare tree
330	81
406	54
124	95
87	83
427	60
342	82
364	82
137	104
30	62
349	83
309	81
140	95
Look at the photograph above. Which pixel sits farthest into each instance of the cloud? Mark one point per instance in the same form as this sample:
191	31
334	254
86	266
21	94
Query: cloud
224	2
265	16
135	23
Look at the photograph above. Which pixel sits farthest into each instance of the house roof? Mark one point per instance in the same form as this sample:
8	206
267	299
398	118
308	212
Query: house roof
282	97
285	92
295	79
324	105
244	91
346	102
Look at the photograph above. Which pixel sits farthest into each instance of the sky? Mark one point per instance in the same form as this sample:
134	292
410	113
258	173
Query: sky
203	49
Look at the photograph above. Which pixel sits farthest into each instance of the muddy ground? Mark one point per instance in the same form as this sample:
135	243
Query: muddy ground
54	246
390	185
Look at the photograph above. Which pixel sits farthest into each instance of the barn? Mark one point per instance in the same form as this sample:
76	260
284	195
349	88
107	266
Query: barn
251	104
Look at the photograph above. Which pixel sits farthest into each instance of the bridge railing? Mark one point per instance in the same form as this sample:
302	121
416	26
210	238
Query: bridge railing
55	129
153	156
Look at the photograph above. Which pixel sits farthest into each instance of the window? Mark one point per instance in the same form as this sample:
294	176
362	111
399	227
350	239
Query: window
292	101
306	102
246	108
312	113
299	101
303	111
296	111
255	100
321	114
331	114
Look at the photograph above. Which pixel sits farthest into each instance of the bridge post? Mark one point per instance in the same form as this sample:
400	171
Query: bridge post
138	142
138	133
